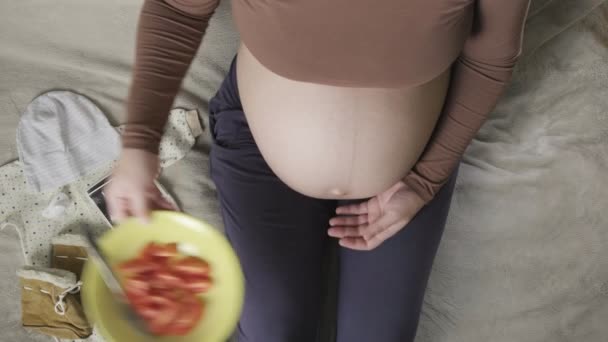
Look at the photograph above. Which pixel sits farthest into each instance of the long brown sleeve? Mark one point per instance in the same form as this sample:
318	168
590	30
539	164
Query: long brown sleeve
168	36
479	77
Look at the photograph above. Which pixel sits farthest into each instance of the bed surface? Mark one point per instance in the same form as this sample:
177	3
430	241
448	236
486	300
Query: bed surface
525	253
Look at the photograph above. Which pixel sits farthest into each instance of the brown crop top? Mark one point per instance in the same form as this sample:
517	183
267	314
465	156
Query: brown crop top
353	43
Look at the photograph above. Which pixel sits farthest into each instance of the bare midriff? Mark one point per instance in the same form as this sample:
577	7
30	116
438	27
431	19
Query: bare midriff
342	95
337	142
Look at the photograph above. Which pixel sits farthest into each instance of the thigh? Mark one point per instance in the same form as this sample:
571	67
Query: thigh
277	233
381	291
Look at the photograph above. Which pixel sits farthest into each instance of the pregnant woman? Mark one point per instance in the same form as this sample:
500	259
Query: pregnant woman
340	119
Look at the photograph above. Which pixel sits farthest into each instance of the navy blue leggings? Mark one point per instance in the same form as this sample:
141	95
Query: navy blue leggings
281	236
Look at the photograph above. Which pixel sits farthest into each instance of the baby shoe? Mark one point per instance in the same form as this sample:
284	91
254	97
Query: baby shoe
49	303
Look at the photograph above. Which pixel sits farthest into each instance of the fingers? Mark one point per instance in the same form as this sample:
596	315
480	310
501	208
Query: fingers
133	191
120	207
140	207
115	204
368	243
353	209
163	203
366	236
348	220
363	230
341	232
343	226
116	208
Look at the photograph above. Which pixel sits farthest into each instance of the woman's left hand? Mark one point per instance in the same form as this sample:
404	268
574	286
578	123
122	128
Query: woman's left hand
364	226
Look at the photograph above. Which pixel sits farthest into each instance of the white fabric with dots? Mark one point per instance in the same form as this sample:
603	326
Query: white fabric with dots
22	207
180	134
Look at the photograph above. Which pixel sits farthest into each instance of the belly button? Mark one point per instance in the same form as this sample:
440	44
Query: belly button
337	192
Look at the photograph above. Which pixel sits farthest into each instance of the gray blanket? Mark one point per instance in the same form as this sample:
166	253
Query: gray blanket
524	256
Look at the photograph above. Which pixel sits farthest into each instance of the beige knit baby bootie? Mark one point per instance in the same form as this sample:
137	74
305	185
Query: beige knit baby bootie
49	303
69	253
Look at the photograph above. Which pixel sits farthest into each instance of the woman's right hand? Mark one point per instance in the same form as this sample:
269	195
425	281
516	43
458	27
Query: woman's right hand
132	191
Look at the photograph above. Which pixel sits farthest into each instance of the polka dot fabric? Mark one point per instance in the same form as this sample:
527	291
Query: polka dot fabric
23	207
180	133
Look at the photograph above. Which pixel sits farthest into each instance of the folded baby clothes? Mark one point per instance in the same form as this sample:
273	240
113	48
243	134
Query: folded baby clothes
69	252
61	137
29	210
49	303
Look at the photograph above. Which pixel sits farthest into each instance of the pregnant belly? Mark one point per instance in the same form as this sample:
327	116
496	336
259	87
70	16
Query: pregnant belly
337	142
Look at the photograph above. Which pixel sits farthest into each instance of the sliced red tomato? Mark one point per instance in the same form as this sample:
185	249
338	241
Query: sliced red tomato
190	313
136	267
162	288
162	292
160	284
198	284
145	311
168	278
190	266
147	251
159	312
134	300
136	287
177	294
159	251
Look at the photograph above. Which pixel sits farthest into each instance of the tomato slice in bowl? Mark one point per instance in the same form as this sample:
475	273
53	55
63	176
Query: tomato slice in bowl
190	312
159	311
162	287
168	278
136	287
155	250
190	266
198	284
136	267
